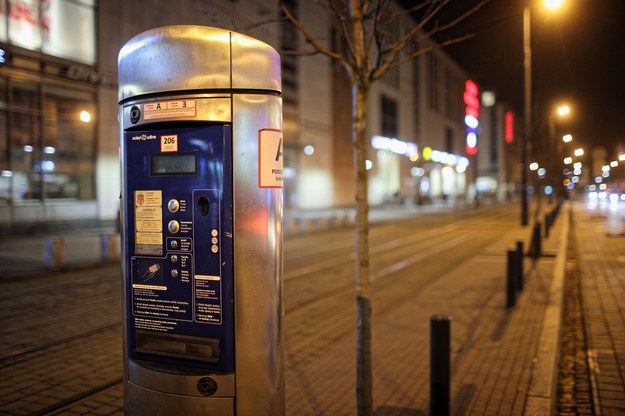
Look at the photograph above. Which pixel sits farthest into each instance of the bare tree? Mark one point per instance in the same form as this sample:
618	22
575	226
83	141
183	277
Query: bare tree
368	51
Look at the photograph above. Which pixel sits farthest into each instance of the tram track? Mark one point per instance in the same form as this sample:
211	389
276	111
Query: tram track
21	354
75	401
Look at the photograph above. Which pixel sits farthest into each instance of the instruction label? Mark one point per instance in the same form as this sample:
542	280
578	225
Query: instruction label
149	222
270	158
168	109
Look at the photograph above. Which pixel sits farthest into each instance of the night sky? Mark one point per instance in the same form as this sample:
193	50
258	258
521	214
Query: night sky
578	57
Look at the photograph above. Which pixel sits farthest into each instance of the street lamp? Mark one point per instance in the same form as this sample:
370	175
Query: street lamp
564	110
527	72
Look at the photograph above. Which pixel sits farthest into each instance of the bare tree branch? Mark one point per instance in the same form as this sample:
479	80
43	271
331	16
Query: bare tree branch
313	42
392	51
341	22
423	51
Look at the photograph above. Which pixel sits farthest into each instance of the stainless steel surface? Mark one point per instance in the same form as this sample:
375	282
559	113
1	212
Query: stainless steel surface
258	266
187	58
242	88
156	403
165	380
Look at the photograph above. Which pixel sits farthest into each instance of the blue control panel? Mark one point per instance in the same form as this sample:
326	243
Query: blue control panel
179	243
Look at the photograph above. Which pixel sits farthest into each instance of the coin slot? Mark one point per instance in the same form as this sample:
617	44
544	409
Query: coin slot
203	204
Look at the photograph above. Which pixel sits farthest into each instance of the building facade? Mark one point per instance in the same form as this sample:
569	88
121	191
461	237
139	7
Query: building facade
59	159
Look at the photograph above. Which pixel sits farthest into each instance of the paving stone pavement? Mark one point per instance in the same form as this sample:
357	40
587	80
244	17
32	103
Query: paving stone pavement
495	351
601	254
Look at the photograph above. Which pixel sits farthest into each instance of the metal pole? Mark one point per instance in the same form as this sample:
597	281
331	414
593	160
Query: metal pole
440	349
527	66
520	269
511	279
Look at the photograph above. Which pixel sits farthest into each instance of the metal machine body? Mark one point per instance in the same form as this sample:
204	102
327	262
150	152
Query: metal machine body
201	160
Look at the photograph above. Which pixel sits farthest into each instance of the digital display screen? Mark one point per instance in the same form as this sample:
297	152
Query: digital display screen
174	164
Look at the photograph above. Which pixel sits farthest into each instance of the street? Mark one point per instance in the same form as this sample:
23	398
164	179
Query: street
61	338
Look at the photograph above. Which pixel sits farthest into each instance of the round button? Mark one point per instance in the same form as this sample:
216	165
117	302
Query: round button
214	249
174	259
173	244
214	240
174	273
173	226
173	205
214	233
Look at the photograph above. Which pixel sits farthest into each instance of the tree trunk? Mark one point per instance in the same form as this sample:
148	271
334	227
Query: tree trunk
364	383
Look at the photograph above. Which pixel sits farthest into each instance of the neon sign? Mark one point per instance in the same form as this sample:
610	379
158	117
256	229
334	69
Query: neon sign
471	115
509	127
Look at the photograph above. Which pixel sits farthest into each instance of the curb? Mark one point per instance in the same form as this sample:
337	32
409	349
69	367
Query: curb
542	392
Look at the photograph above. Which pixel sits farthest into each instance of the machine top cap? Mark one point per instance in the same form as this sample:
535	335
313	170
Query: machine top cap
195	58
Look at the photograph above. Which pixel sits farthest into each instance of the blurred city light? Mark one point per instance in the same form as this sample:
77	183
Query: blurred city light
579	152
613	163
542	172
552	5
85	117
577	165
621	157
28	148
568	160
598	179
567	138
605	168
368	164
533	166
309	150
563	110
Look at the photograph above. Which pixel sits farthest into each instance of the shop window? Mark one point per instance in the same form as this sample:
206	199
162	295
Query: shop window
389	117
47	139
63	28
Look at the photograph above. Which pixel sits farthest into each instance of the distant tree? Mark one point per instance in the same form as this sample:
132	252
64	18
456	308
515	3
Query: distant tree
371	47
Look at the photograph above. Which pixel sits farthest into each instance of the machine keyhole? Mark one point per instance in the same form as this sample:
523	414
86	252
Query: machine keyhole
202	204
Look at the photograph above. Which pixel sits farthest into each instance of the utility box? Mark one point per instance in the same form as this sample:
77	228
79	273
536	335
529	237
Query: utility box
201	213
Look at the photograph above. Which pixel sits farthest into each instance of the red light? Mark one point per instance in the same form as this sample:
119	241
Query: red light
509	126
471	151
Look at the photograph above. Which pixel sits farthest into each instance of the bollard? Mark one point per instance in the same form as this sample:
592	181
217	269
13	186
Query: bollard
520	273
109	247
440	350
511	279
53	257
535	247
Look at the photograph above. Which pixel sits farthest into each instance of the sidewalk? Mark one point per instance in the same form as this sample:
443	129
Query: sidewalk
504	361
600	239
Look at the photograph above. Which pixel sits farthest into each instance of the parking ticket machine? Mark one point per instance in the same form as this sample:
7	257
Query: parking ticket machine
201	161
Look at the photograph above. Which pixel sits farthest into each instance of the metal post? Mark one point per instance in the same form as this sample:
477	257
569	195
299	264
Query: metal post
520	273
440	349
535	248
511	279
527	72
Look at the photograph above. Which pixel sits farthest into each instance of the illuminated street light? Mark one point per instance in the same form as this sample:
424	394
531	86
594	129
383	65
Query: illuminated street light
85	117
567	138
579	152
564	110
527	103
553	4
